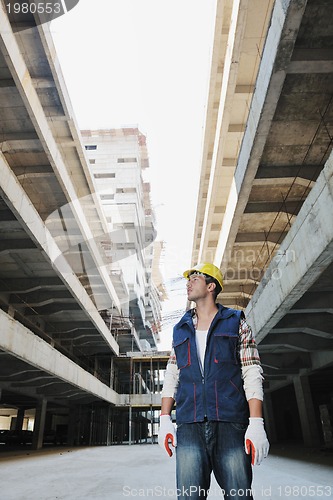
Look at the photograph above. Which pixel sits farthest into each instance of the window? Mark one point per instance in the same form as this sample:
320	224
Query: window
107	196
127	160
92	161
105	176
91	147
125	246
126	190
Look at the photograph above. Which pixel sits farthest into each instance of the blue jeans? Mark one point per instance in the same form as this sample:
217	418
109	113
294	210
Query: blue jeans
206	447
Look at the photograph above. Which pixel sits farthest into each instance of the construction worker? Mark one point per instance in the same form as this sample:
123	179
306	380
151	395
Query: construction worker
215	377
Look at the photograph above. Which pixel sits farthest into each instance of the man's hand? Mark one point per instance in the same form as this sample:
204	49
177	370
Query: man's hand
167	434
256	441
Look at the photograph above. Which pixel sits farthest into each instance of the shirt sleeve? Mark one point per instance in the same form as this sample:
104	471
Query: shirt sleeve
248	351
252	382
250	363
171	377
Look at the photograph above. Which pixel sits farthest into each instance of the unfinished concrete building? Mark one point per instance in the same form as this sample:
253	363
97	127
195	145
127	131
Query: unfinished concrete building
68	312
118	160
264	216
265	207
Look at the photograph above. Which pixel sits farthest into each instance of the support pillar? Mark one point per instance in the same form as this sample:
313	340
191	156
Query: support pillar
112	373
37	441
73	434
19	419
109	427
306	411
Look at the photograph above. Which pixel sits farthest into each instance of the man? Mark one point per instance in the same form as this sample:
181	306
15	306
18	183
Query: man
215	377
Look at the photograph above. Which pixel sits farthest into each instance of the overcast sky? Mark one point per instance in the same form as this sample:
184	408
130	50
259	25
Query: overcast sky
146	63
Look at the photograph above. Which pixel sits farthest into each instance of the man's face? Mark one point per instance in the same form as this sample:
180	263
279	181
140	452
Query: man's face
196	287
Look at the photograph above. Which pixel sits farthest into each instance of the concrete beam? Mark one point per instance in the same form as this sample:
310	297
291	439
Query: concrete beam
67	327
315	332
306	67
283	181
25	86
43	83
18	245
312	300
27	285
21	343
140	400
40	298
56	308
7	82
22	146
273	237
308	172
297	342
285	22
320	359
18	136
286	361
26	214
291	207
244	89
22	171
318	322
229	80
287	278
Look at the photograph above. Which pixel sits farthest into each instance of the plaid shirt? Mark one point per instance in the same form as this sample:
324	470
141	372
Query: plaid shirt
248	351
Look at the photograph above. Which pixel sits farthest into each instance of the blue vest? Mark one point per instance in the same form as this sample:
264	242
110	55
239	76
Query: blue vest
217	393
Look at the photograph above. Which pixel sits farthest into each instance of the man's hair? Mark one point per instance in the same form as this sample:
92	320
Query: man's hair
217	289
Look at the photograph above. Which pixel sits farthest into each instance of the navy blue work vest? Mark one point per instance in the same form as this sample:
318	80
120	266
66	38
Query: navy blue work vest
216	394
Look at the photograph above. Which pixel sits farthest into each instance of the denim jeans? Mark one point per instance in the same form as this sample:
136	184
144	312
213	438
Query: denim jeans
206	447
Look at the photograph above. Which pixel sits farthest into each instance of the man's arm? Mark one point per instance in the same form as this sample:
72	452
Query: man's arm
255	406
255	440
167	406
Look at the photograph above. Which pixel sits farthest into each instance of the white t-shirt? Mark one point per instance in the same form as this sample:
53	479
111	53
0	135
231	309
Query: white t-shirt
201	341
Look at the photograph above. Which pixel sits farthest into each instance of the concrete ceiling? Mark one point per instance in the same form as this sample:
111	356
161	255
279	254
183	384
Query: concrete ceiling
53	273
245	225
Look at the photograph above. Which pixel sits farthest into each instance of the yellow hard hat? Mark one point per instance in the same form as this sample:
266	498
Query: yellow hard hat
206	268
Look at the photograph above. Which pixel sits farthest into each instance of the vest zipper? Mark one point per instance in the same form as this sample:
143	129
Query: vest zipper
204	396
215	319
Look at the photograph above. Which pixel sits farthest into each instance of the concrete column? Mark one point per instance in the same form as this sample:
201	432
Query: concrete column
96	367
73	435
19	419
306	411
269	418
109	427
11	311
112	373
37	442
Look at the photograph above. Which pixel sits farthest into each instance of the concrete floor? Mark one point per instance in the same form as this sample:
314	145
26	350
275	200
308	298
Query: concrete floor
143	471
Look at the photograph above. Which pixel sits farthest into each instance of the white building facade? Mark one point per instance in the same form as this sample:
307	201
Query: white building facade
118	160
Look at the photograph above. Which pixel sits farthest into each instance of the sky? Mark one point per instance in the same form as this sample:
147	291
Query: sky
147	63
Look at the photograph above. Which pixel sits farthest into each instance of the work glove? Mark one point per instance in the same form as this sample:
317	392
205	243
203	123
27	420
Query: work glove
256	441
167	434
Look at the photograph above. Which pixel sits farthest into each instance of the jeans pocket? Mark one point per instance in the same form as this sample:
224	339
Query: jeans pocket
241	427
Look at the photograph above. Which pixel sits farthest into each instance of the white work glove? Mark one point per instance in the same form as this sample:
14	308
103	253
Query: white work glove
167	434
256	441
